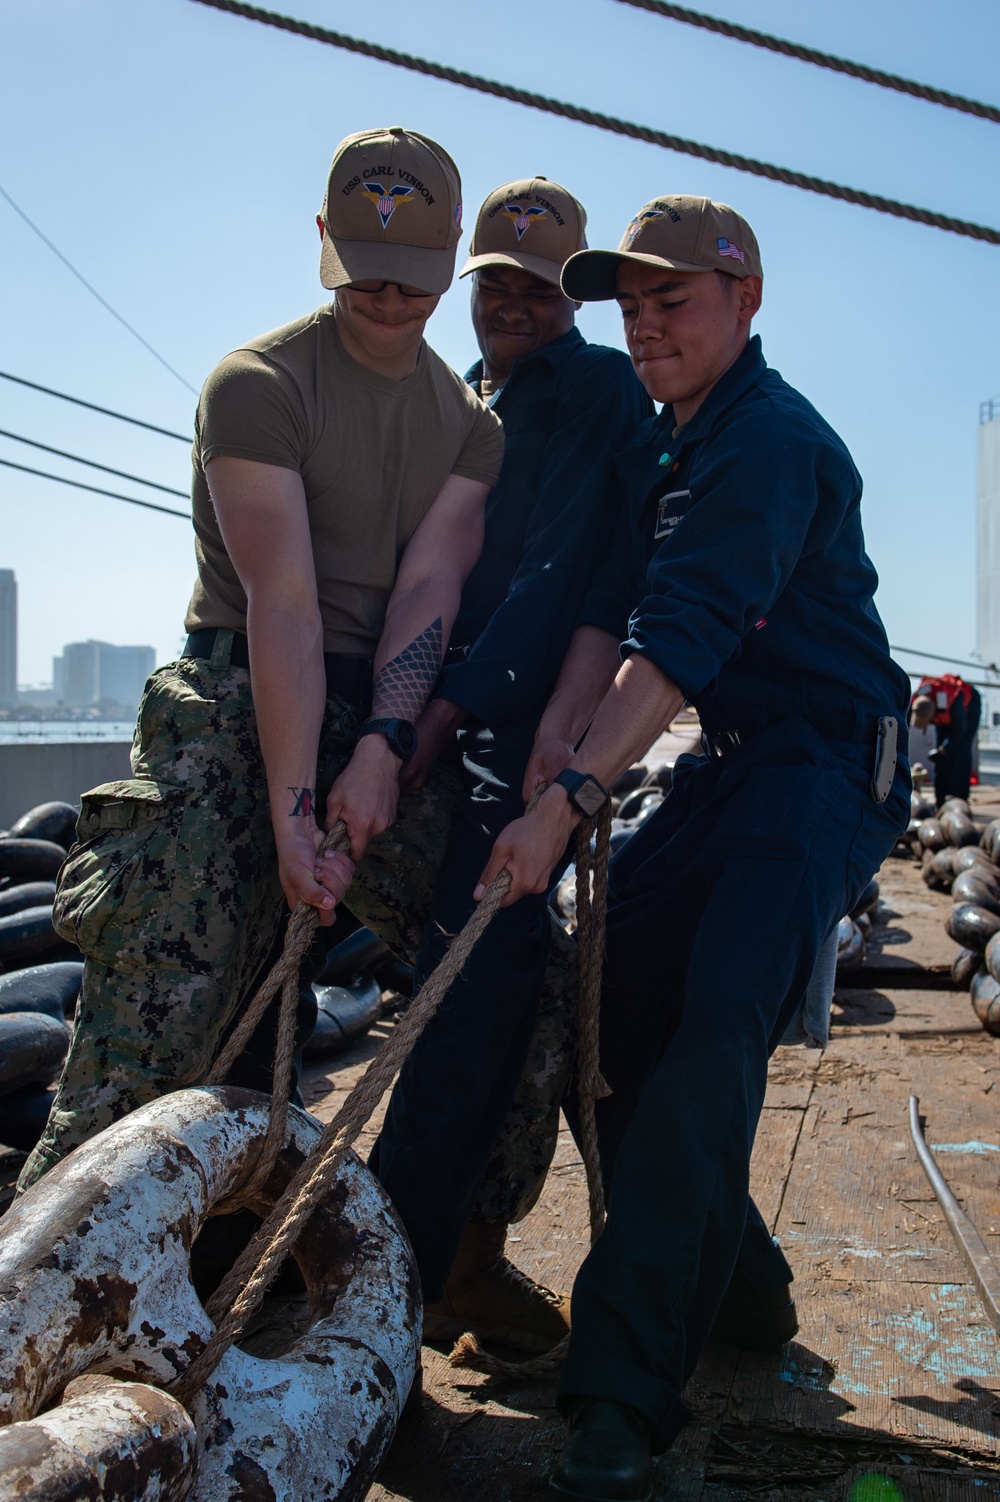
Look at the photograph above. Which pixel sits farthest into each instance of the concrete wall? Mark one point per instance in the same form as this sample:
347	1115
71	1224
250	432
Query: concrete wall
61	771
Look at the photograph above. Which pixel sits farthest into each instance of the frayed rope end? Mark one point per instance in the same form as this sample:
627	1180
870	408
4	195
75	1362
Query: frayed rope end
467	1352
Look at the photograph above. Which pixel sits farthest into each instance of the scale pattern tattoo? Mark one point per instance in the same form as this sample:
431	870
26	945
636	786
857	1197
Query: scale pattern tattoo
404	685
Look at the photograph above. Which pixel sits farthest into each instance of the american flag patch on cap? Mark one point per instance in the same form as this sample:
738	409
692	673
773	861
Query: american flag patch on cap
727	248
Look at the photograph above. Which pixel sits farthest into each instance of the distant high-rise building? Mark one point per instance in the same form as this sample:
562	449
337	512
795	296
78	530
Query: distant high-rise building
8	638
95	672
123	672
81	673
988	556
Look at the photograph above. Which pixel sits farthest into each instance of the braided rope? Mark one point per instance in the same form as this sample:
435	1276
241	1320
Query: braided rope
591	1085
239	1294
283	977
820	59
608	122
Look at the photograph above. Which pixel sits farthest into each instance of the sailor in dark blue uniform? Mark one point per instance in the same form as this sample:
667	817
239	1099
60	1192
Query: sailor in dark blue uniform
566	406
755	604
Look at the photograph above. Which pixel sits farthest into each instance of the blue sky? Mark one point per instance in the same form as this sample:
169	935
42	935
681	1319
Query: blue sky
178	156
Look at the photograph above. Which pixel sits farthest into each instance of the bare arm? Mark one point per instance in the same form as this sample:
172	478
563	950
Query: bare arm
639	706
422	610
262	515
587	673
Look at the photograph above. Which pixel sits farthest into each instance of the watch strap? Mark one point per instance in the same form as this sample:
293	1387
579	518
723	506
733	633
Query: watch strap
400	734
578	785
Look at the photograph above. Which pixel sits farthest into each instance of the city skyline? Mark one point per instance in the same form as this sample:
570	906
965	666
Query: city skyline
194	216
84	674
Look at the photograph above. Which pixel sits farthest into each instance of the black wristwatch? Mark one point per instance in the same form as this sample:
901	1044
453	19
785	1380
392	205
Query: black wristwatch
587	795
400	734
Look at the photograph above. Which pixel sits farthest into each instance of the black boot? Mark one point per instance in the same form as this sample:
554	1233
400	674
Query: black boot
607	1457
753	1320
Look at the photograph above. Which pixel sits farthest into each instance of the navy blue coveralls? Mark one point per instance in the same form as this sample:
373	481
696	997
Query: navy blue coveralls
756	600
565	410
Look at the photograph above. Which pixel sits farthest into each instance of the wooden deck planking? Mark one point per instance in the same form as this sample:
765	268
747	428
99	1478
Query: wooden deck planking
506	1439
894	1355
891	1392
894	1342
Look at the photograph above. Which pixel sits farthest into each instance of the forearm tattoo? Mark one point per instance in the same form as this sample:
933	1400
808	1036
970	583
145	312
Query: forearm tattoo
404	685
305	803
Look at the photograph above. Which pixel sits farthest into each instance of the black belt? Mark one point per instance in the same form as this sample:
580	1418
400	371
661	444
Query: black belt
348	677
848	724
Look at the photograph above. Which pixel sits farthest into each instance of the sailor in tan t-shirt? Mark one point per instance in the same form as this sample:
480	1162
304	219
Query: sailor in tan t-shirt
341	471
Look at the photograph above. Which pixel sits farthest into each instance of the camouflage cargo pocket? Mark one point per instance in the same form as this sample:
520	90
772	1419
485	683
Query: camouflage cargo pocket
113	888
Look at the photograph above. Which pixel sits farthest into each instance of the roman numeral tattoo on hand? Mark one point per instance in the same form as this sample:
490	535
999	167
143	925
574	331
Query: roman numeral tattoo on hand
404	685
305	803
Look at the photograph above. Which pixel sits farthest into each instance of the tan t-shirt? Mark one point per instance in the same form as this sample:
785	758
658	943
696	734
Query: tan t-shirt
373	454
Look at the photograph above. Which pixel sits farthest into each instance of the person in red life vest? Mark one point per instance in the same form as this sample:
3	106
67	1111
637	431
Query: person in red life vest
954	707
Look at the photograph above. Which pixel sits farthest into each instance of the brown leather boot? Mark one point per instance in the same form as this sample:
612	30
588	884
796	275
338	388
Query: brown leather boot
488	1295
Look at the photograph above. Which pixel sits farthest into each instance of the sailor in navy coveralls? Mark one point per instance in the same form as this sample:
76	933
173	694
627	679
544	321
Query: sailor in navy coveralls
746	557
566	406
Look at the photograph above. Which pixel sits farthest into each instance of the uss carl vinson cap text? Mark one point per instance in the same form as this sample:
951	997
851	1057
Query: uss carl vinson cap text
392	211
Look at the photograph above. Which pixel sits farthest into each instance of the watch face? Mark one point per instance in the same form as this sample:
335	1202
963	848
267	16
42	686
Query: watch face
590	797
406	739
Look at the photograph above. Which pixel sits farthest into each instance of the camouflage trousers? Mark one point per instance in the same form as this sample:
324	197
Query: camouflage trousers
172	894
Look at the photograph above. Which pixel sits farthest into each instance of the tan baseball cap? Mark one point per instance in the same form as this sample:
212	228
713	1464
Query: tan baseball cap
533	223
684	233
392	211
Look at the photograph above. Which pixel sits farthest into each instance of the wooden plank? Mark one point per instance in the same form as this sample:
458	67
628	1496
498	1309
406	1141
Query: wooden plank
893	1340
863	1086
777	1137
874	1010
786	1468
890	1328
915	1363
908	928
481	1442
790	1077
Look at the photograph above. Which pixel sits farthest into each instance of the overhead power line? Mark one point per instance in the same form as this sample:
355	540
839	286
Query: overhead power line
990	667
95	490
820	59
94	292
93	407
973	682
607	122
92	464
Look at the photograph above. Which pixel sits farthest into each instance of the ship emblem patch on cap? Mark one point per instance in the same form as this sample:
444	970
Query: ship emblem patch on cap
521	218
639	221
386	200
727	248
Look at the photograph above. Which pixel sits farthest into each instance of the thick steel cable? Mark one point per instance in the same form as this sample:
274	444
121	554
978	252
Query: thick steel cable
819	59
608	122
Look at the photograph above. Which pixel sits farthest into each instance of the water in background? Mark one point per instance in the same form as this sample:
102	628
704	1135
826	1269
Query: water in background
42	732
